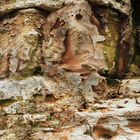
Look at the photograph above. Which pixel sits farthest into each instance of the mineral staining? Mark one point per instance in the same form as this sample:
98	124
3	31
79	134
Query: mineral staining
76	39
20	44
81	40
57	60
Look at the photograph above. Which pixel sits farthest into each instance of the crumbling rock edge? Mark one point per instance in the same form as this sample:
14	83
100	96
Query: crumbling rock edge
24	103
52	5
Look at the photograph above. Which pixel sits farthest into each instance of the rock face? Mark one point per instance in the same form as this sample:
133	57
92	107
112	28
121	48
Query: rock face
78	37
59	64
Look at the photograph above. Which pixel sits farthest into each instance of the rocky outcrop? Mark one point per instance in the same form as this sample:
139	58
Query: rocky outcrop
79	37
43	109
60	69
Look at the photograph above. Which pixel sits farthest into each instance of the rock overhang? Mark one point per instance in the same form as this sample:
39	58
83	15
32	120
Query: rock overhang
52	5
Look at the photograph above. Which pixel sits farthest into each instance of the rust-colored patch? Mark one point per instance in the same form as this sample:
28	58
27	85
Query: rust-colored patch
64	138
100	132
80	54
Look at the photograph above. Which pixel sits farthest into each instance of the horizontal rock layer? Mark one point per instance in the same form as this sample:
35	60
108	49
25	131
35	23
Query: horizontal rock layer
43	108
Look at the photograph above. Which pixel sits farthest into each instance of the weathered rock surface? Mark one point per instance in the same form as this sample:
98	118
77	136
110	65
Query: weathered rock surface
50	110
78	37
10	5
59	60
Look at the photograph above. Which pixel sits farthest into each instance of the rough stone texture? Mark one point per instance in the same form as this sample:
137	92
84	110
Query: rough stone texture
78	38
123	6
7	6
59	64
44	109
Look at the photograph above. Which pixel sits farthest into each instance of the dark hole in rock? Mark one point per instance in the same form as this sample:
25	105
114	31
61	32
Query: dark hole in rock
6	102
136	11
106	136
83	107
44	12
37	70
82	80
104	72
10	15
136	24
103	134
79	16
118	0
123	3
50	98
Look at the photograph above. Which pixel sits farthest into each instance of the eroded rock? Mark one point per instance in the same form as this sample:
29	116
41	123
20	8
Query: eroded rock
78	38
57	71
